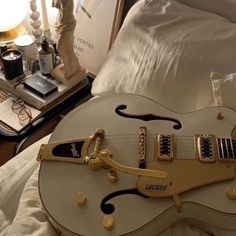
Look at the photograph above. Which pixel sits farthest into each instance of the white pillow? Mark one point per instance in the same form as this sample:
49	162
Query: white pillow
225	8
166	51
224	89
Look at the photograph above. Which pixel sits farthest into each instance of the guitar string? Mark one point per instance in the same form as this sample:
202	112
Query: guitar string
147	135
150	136
186	139
186	142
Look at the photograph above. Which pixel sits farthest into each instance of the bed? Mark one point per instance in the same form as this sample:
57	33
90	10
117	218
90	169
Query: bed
180	54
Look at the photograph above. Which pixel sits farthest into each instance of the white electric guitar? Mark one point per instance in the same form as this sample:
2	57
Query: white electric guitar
125	165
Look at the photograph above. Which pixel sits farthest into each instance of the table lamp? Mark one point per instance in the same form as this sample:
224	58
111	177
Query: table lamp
12	14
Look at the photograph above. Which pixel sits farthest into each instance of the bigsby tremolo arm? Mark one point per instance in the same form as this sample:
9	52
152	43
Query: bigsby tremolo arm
106	156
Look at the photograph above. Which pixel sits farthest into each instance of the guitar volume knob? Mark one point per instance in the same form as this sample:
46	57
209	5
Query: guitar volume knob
108	222
81	199
231	193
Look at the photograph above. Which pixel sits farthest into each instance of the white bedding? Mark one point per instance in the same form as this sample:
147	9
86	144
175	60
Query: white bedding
180	83
20	210
166	51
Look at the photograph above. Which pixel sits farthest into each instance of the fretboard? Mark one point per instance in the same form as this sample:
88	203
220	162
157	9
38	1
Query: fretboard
226	148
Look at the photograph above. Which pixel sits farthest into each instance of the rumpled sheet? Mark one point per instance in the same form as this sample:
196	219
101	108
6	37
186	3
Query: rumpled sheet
22	213
166	51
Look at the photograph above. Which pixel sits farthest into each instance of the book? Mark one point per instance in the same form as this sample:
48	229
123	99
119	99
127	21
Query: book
40	86
16	87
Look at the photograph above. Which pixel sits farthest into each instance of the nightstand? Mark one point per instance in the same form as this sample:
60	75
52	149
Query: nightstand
12	141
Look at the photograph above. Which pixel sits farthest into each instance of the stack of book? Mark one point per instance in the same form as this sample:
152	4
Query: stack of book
21	90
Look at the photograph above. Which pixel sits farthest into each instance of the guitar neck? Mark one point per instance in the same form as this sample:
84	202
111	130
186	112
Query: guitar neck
226	148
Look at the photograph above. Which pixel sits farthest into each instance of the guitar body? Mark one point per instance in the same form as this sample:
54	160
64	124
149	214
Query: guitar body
134	214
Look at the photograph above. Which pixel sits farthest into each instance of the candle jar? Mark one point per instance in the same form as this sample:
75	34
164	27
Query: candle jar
12	64
26	45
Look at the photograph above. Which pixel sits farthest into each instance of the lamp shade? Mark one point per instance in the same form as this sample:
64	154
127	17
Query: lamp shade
12	13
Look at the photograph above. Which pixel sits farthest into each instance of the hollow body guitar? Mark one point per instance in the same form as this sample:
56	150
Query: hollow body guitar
125	165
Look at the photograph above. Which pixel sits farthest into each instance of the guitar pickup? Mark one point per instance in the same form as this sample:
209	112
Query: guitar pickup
205	147
165	147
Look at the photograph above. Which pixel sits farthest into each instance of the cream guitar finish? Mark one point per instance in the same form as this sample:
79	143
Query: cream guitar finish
144	169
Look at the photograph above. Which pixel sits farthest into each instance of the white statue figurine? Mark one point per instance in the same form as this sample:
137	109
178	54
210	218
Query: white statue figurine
65	26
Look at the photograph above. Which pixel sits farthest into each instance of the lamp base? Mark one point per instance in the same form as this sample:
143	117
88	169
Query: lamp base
11	35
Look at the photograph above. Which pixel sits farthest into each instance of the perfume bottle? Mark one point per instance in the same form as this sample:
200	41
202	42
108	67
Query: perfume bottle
46	58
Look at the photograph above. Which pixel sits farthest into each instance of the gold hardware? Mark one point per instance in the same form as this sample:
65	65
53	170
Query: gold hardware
95	164
108	222
165	147
100	133
205	145
113	175
142	146
174	184
231	193
81	199
219	116
46	150
106	156
177	202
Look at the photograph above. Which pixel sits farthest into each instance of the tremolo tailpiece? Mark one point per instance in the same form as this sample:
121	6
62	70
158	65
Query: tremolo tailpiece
77	151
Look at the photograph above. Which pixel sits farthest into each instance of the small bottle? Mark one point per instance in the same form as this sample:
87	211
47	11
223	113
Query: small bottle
46	58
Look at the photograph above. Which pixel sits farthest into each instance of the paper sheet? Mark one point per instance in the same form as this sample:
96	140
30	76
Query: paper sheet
8	116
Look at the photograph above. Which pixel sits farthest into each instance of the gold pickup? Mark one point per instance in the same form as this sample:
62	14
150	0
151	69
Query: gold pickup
165	146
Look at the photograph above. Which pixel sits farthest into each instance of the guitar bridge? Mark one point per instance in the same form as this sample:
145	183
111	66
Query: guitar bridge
165	147
205	147
142	147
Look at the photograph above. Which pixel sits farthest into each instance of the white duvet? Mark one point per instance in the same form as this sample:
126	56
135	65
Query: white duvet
21	211
167	51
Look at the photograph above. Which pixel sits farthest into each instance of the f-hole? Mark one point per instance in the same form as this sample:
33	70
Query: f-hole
108	208
146	117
